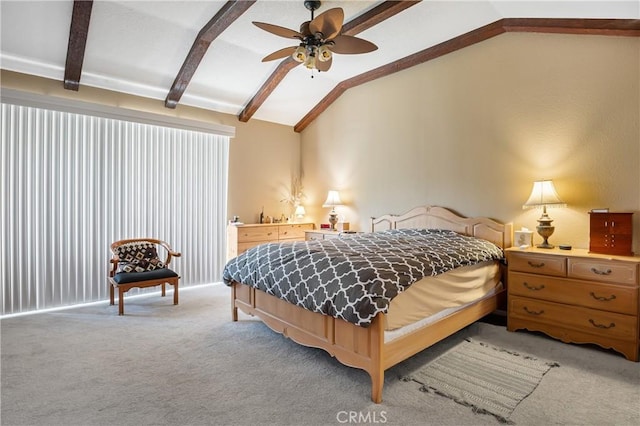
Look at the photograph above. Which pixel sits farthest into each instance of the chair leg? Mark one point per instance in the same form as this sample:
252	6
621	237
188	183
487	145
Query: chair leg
164	290
111	298
175	292
120	300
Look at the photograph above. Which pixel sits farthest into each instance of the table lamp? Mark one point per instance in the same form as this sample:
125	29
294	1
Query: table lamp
542	195
333	200
300	212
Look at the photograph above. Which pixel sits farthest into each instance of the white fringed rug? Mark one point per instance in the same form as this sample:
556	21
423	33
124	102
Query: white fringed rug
491	380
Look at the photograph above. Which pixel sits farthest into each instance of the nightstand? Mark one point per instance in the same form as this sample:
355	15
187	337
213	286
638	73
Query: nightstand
576	297
321	234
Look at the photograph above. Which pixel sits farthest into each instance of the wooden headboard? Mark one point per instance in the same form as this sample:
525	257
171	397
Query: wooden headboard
433	217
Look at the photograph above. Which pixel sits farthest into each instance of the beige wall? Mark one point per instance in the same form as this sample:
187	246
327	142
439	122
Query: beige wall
473	129
262	155
470	131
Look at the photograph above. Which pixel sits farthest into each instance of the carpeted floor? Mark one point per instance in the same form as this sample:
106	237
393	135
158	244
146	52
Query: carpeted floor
190	365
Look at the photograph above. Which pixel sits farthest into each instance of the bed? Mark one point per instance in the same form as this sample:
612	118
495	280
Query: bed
372	346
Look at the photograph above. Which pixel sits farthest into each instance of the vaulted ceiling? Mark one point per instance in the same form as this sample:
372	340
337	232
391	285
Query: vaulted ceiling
208	54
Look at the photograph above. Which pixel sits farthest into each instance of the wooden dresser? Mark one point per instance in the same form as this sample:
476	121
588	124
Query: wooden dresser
576	296
241	238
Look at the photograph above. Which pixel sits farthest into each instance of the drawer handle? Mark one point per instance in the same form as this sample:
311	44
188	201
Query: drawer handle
530	287
535	265
602	298
527	310
593	323
599	272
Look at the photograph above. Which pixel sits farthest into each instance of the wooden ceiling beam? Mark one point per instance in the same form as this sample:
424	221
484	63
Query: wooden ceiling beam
616	27
365	21
231	11
78	33
376	15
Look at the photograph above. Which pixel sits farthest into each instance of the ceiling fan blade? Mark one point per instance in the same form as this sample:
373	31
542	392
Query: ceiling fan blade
328	23
324	66
350	45
282	53
278	30
304	28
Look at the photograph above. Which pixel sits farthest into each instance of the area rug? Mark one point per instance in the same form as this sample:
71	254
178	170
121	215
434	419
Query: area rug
488	379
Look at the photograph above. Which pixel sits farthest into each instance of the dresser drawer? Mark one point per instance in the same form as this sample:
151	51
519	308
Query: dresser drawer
324	235
603	270
293	231
310	236
538	264
242	247
257	233
592	321
606	297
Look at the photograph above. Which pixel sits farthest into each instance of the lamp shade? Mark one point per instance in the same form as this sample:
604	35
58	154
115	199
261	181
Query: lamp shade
543	194
300	211
333	199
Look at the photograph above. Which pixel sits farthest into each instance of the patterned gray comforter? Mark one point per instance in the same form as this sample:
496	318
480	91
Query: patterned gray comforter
355	277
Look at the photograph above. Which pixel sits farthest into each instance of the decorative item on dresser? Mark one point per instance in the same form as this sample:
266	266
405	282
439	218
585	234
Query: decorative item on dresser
241	238
343	226
576	296
611	233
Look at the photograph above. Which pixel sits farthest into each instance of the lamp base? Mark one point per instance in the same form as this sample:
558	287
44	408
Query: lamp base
545	230
333	220
545	245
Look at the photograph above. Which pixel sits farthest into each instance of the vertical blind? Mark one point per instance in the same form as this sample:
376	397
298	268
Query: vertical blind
72	184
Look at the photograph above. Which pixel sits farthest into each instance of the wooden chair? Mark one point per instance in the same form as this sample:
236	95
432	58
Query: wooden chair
135	263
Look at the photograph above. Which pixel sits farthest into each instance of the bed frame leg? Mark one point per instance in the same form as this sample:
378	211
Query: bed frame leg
234	308
377	381
234	314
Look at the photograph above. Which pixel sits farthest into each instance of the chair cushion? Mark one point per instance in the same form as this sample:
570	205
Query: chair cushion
132	277
138	256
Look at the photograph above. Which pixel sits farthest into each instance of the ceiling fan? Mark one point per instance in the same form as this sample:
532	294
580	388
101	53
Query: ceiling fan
319	39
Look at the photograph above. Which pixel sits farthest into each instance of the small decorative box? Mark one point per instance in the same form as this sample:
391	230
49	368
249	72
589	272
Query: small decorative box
342	226
524	237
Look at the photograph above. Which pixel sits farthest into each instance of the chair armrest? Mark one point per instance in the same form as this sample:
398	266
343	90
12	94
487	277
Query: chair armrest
170	252
114	260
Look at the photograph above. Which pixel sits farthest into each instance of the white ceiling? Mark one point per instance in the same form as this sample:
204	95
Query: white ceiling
138	47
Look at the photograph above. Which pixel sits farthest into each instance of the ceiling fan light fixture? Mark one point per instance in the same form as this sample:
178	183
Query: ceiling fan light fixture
300	54
319	39
324	54
310	62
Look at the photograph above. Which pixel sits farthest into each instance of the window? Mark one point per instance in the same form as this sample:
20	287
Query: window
73	183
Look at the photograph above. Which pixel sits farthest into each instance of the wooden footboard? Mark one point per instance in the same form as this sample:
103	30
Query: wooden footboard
353	346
